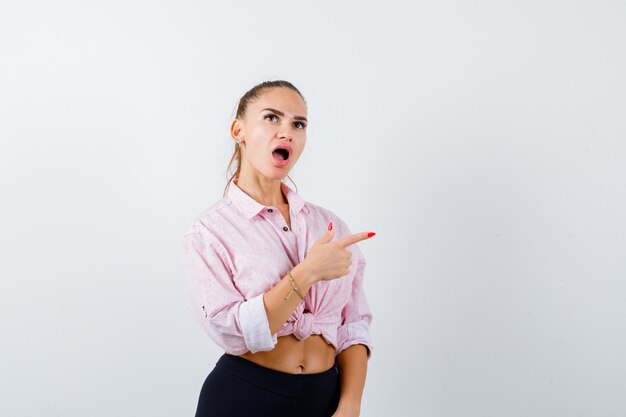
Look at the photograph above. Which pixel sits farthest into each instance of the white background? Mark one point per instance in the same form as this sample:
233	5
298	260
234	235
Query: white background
482	141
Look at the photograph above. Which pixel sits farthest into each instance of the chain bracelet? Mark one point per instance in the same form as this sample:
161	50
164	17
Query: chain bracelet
295	287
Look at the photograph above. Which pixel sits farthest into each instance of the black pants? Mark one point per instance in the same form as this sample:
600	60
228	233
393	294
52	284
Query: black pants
237	387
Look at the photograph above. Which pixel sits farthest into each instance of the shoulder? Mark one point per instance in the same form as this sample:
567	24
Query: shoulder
208	222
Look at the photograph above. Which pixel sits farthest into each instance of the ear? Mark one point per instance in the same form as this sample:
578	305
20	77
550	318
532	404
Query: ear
236	129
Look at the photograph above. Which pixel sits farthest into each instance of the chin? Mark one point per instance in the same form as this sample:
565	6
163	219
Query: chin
277	174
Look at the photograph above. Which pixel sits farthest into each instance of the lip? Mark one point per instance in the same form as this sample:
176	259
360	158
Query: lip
288	160
289	148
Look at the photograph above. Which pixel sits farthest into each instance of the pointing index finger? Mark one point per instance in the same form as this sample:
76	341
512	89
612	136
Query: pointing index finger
352	239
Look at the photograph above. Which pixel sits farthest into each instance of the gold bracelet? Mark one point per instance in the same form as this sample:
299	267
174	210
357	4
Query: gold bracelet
295	287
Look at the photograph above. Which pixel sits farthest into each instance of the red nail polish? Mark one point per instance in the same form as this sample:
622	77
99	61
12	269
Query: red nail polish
370	234
330	226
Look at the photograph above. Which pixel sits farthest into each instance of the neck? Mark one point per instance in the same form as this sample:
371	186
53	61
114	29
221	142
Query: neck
264	191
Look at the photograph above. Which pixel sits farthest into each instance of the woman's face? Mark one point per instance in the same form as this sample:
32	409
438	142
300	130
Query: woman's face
276	117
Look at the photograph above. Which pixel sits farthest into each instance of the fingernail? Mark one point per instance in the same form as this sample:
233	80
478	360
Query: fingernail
370	234
330	226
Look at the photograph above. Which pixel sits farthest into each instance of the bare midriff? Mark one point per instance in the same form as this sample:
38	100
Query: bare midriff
308	356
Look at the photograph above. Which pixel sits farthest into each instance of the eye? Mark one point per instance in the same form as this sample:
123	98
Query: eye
301	125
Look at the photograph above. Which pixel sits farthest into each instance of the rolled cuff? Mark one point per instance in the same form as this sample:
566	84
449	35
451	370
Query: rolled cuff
356	332
255	325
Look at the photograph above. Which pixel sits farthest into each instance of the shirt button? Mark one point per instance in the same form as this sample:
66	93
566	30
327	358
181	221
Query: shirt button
270	210
285	228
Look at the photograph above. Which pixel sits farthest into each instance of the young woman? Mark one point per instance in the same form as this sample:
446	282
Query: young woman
277	281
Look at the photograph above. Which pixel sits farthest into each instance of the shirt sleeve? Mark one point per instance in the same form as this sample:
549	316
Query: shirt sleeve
356	316
235	324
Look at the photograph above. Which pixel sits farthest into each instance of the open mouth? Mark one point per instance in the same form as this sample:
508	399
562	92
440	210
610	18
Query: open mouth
281	154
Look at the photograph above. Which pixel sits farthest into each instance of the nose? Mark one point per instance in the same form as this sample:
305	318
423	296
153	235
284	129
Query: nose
285	134
286	131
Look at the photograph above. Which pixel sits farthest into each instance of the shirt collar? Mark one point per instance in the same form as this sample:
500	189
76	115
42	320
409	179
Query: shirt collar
250	207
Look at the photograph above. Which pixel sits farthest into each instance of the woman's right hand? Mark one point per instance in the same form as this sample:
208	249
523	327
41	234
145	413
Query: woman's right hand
329	259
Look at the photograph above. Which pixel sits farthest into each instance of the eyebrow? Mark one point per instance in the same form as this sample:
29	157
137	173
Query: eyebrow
280	113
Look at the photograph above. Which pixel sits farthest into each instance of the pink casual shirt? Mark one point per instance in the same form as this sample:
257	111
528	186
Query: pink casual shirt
237	249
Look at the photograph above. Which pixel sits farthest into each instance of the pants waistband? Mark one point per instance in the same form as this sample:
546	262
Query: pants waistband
294	385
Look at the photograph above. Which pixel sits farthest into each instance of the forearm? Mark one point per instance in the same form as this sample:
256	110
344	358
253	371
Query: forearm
277	308
352	363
